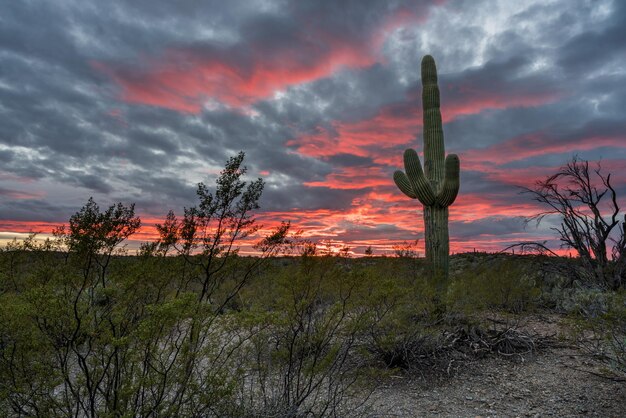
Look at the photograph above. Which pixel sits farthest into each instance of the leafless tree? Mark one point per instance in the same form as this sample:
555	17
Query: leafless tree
591	222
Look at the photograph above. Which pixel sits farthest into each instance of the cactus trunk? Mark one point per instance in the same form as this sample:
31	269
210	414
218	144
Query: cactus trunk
437	240
437	185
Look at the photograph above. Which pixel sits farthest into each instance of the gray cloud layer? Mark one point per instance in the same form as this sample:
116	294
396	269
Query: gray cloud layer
553	71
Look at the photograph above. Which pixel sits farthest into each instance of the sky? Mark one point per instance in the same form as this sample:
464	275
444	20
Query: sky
138	101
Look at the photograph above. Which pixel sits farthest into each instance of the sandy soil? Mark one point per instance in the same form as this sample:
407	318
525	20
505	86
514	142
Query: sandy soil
552	382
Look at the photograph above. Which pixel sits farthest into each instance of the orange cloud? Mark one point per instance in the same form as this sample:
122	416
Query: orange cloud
353	178
473	101
381	217
24	227
535	144
185	80
20	194
397	124
393	125
473	207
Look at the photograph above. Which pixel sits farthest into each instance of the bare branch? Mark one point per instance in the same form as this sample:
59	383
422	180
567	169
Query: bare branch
577	195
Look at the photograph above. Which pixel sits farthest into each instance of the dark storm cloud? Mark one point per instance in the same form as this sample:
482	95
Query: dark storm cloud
384	233
33	210
597	47
104	99
348	96
68	117
282	198
491	226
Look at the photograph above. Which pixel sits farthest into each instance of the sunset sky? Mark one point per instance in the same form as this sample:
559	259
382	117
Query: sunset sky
139	100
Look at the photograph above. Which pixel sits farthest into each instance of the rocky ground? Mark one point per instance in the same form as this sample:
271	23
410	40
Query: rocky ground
552	382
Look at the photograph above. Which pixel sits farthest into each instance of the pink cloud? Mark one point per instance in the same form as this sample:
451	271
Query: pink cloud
398	124
20	195
365	138
536	144
184	80
353	178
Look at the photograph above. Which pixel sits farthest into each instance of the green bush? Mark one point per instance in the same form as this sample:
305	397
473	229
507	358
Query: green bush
301	359
599	320
402	307
495	283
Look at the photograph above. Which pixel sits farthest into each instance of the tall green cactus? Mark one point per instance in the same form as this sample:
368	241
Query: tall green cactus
437	185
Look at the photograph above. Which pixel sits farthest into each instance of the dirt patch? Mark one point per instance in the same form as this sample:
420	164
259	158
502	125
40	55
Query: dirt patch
551	382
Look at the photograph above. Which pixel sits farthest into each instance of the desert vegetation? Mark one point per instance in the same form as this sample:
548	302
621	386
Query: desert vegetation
189	327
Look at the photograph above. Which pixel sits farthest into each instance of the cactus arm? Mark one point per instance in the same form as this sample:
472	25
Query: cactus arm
419	183
450	187
403	183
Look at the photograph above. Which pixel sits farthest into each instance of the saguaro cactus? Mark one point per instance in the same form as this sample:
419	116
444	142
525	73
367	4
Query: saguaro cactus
437	185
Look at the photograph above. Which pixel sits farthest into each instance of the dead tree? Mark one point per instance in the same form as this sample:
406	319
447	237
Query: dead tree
586	202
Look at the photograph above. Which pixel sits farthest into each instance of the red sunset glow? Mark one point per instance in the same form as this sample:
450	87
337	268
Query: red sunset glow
182	81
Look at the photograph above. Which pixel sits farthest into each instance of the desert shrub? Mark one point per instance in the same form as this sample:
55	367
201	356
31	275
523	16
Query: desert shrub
402	311
27	377
401	343
86	331
302	361
69	346
415	328
600	328
582	302
330	324
496	283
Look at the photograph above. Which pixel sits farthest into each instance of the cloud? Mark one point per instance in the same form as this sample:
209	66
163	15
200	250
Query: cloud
272	53
139	101
18	194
